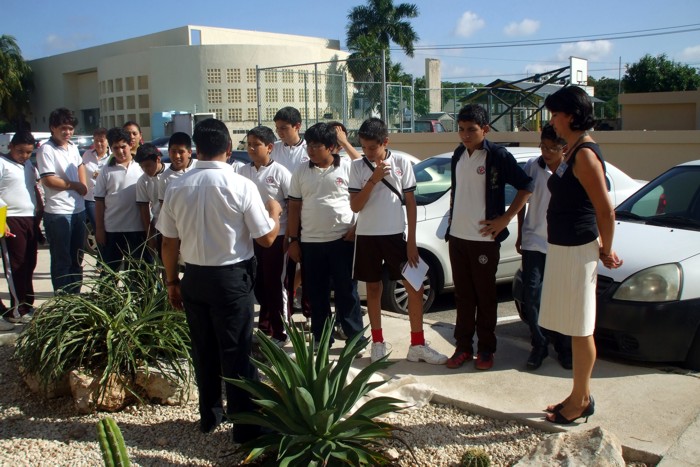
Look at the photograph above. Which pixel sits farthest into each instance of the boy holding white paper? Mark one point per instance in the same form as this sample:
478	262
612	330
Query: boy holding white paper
380	183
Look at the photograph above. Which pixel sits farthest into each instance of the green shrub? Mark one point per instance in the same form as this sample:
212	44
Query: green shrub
122	322
475	457
307	402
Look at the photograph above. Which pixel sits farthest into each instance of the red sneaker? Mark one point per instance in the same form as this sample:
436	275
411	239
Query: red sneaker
458	359
484	361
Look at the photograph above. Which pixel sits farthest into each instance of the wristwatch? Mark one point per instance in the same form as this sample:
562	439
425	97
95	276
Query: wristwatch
291	240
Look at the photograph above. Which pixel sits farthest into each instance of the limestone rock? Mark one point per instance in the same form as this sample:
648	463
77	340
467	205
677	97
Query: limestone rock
593	448
86	393
166	390
51	391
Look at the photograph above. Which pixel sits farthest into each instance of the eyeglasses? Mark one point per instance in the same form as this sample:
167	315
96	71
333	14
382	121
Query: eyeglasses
552	150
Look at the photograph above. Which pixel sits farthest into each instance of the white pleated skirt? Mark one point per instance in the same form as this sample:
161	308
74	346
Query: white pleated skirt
568	303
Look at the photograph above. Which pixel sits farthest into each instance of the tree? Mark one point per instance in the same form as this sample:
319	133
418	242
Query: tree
606	89
15	83
383	22
659	74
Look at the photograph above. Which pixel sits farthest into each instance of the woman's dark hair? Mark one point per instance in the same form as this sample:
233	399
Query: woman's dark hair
132	123
572	100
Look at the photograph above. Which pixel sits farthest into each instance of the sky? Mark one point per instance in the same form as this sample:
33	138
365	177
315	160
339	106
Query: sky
596	30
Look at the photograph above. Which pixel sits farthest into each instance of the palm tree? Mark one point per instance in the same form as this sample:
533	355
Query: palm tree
15	82
385	23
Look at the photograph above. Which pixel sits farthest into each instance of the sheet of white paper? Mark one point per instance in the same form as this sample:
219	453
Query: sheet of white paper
415	276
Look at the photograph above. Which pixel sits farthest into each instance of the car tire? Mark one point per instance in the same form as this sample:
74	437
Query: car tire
395	298
692	360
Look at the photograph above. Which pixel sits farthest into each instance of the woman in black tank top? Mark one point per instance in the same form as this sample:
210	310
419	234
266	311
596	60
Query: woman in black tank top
580	212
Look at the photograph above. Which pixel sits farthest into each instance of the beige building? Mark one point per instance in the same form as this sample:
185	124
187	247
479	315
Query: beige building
661	110
189	69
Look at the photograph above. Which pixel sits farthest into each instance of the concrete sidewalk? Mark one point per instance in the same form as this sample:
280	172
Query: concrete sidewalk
654	413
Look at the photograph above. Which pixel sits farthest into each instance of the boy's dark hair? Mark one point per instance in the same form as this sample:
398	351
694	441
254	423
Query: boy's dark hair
321	133
548	133
62	116
180	138
263	133
211	137
288	114
373	129
101	131
473	113
116	134
147	152
132	123
572	100
23	137
336	125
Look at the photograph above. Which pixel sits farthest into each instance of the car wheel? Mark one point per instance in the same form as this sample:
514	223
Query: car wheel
395	297
692	361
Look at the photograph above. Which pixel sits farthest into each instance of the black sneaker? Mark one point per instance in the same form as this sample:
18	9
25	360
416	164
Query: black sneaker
537	355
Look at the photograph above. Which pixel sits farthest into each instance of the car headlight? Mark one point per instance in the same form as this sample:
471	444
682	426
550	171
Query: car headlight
656	284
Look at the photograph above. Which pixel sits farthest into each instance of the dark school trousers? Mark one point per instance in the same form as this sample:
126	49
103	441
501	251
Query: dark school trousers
218	304
474	266
22	251
269	288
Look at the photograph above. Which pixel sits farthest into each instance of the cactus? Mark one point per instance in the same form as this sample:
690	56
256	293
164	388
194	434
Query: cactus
475	457
112	443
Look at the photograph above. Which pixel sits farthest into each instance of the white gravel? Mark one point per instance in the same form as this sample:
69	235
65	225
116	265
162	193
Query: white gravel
39	432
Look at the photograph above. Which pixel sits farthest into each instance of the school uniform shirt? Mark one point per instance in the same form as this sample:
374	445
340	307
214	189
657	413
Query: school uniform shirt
469	200
290	157
216	213
534	231
273	182
116	185
325	213
383	214
17	182
62	162
169	175
93	165
147	191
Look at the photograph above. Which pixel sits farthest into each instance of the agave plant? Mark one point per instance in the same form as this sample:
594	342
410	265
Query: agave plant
121	323
306	405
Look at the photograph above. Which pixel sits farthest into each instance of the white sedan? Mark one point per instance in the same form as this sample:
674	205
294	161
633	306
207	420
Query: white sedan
433	177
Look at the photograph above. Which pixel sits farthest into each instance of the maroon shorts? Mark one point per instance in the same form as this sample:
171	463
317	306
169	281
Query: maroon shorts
372	251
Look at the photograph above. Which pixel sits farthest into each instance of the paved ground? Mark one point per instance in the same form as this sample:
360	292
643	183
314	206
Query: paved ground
655	412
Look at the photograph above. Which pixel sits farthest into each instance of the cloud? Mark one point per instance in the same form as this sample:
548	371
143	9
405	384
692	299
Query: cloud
590	50
539	68
55	43
468	24
691	53
526	27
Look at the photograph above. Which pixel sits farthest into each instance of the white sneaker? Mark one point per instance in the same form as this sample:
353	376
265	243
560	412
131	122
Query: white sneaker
279	342
417	353
378	351
6	325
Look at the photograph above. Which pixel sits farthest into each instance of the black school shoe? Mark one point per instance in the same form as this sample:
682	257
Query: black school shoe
565	360
243	433
537	356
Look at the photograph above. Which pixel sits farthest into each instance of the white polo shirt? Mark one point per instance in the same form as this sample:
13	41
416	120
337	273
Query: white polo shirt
116	184
470	197
62	162
534	233
17	187
325	213
290	157
147	191
383	214
216	213
169	175
273	182
93	165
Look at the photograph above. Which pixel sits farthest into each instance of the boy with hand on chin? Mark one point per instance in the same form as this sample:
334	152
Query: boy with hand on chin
379	183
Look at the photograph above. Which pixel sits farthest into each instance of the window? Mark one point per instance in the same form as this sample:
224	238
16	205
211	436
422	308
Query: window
288	95
143	82
302	95
253	114
235	115
234	96
144	121
252	96
144	101
110	86
218	113
214	96
270	113
270	95
120	103
270	76
250	75
129	83
233	75
131	102
111	105
118	85
213	75
287	76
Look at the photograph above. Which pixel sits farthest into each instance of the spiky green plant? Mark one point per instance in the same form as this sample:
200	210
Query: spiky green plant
306	404
122	322
475	457
112	445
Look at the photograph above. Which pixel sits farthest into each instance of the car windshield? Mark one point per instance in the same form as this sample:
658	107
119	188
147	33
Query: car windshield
671	200
433	179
